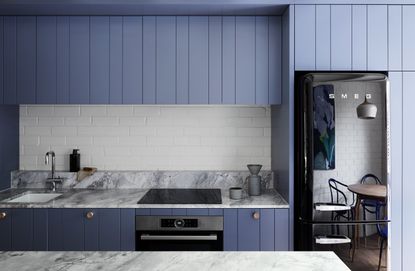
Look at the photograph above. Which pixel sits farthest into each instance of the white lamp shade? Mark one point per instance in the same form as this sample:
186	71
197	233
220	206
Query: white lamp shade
366	110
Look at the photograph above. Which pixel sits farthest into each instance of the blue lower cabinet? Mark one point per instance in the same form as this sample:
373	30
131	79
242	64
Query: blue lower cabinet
230	229
73	221
282	230
22	229
5	229
91	229
127	231
109	229
40	229
248	230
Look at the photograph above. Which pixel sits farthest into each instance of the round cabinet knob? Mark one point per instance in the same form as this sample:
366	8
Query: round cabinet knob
255	215
89	215
3	215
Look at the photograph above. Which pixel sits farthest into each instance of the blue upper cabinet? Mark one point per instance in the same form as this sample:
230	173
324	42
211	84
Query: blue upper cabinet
140	59
353	37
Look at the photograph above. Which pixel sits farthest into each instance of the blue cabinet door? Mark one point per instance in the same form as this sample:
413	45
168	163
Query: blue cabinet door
248	230
91	226
22	229
40	229
230	230
109	229
5	230
66	229
127	229
282	230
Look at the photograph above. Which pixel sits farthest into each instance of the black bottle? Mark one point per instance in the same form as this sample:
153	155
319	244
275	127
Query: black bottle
75	161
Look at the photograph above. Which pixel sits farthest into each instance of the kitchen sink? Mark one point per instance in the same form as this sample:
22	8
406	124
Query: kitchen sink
32	197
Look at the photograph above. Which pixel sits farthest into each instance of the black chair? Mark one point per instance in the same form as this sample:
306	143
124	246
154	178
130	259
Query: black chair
382	231
369	205
338	197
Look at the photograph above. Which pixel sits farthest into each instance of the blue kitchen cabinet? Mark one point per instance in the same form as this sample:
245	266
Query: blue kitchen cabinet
256	229
23	229
248	230
140	59
5	230
91	229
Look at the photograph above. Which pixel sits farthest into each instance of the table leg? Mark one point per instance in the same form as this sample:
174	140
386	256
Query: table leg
357	219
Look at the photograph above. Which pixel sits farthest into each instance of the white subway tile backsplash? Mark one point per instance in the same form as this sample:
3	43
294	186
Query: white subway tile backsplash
134	137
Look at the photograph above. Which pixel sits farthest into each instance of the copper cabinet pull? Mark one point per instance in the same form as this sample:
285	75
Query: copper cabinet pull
89	215
255	215
3	215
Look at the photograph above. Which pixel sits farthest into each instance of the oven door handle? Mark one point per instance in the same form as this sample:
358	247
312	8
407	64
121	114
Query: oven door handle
211	237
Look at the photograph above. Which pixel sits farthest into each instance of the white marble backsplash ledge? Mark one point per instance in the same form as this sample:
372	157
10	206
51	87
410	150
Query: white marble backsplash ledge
141	179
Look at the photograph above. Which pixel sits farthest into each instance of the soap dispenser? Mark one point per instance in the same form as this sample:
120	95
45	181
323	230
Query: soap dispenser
75	161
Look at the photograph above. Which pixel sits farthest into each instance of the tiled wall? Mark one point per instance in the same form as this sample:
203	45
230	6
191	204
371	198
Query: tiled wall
146	137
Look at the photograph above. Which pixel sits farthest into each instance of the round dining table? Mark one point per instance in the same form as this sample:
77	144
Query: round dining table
365	191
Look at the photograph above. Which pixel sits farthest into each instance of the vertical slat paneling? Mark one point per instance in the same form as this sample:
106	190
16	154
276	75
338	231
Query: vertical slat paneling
166	59
230	229
22	229
396	168
40	229
408	32
149	60
198	60
228	60
248	230
26	59
79	60
46	60
282	230
1	59
267	230
115	64
182	65
215	60
377	37
274	65
91	226
127	239
359	39
161	211
6	231
55	230
9	58
395	37
261	60
73	229
323	37
245	60
62	59
109	229
341	37
100	53
132	60
408	185
305	34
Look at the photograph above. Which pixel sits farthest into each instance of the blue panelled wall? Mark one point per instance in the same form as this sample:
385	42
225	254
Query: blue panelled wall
140	60
9	143
380	38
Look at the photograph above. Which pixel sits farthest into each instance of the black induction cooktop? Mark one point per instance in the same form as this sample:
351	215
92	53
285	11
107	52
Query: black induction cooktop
182	196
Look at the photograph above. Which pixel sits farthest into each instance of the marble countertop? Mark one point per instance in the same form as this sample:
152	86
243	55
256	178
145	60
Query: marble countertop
128	198
171	261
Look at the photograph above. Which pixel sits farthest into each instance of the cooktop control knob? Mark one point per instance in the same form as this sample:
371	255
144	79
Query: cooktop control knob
179	223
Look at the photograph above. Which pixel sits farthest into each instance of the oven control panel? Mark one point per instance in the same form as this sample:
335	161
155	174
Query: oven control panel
178	223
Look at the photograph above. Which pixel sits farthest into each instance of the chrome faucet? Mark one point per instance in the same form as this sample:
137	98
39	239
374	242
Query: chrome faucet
52	181
51	153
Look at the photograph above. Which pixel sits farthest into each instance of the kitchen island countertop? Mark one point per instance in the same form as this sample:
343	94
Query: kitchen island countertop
171	261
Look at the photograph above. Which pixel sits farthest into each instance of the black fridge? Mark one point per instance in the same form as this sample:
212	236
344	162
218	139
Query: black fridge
342	165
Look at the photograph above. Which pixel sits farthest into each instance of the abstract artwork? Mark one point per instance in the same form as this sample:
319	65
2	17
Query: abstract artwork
324	127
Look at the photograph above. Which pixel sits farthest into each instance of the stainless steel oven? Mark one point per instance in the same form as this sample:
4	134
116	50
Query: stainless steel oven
179	233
